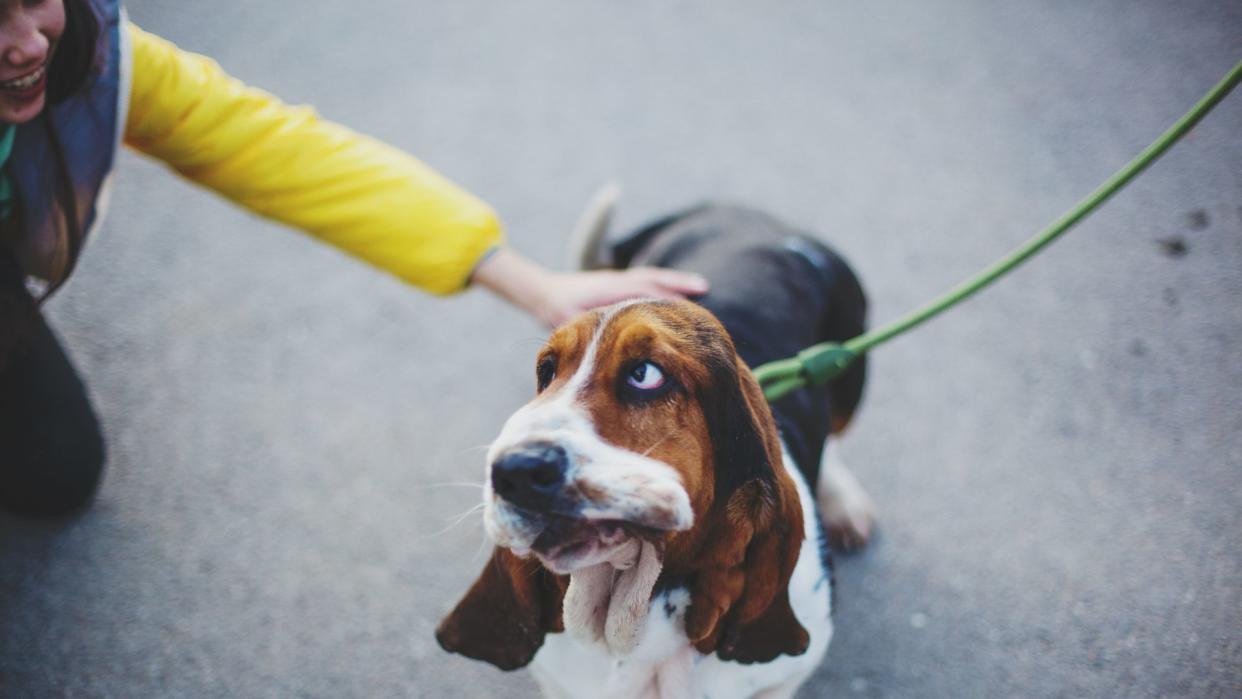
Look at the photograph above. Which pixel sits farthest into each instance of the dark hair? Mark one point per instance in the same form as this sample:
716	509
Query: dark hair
77	55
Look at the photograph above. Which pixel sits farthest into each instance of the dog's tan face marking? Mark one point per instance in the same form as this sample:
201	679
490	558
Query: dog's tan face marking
663	423
616	392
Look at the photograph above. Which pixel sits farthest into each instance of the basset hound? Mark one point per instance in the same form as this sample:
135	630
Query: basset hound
655	532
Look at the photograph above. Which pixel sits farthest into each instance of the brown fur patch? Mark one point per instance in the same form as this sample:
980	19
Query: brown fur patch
566	349
839	423
504	616
666	429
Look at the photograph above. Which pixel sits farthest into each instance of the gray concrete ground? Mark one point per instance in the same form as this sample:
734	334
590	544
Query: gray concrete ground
1057	462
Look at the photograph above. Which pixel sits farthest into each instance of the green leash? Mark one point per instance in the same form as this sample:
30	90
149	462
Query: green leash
819	364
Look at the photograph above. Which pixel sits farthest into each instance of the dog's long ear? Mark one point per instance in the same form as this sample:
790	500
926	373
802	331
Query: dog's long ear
745	447
506	613
740	601
761	625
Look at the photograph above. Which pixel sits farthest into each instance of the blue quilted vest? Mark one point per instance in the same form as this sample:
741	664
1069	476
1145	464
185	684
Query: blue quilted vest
59	204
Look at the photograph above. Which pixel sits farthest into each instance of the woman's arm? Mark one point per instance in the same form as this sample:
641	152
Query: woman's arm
365	197
285	163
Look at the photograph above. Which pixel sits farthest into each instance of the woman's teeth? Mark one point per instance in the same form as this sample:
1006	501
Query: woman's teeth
25	82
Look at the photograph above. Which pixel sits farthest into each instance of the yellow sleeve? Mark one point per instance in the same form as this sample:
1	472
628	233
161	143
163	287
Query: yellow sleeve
286	163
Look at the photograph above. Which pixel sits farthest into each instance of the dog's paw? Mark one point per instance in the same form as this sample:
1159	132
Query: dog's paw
848	525
847	511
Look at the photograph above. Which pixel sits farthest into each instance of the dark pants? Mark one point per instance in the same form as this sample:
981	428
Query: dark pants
51	449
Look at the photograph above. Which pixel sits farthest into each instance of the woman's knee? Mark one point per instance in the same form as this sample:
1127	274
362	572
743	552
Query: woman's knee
54	471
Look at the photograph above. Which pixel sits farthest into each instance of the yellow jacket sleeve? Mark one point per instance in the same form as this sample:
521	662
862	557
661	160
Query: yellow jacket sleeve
286	163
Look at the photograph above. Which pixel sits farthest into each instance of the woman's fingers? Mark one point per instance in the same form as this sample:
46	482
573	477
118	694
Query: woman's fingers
666	283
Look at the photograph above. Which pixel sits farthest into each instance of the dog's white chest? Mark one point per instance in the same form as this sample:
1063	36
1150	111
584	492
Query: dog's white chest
664	665
567	667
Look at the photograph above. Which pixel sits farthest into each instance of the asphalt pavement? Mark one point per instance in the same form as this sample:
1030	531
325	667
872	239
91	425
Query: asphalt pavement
293	436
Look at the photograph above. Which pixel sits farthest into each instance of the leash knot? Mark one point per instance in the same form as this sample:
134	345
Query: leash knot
824	362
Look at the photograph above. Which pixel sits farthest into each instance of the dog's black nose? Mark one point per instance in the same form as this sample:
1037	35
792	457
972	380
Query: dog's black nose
530	476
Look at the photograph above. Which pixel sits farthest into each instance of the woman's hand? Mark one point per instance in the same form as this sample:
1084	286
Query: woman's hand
555	297
568	294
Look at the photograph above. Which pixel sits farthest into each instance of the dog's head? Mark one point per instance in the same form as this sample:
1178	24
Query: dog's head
646	426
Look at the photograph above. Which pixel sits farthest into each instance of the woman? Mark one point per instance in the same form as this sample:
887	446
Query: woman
76	79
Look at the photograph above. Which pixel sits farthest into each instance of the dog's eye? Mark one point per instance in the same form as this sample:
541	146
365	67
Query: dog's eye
646	377
545	371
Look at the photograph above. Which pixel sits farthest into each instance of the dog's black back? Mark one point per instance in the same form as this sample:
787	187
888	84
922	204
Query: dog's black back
777	291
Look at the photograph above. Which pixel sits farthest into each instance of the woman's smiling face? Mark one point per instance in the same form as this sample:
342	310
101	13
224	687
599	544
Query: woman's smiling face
29	31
